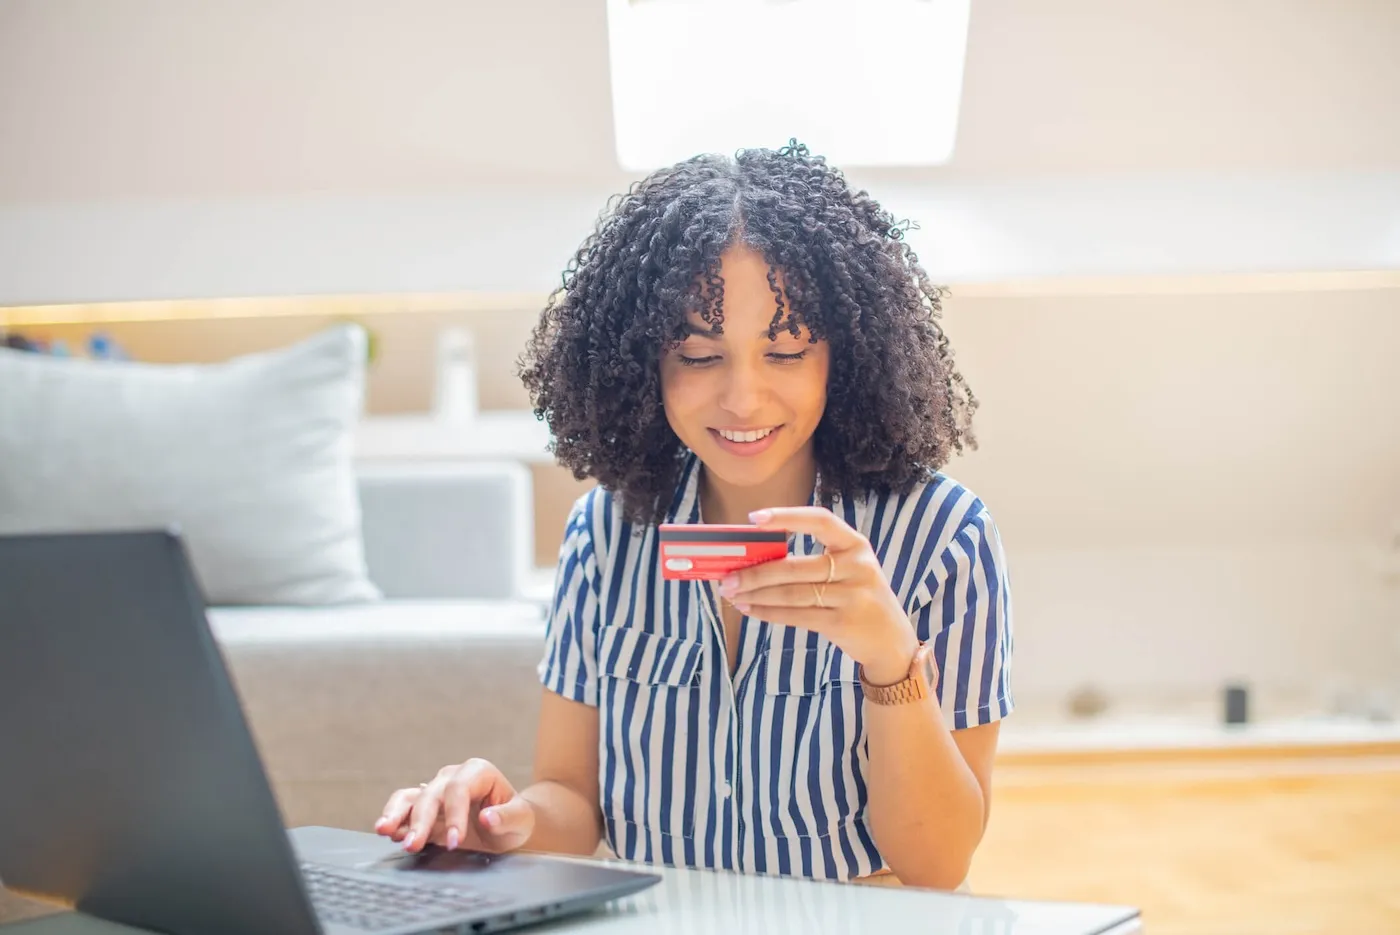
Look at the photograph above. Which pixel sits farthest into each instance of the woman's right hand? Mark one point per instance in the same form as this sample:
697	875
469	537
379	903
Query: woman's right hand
469	805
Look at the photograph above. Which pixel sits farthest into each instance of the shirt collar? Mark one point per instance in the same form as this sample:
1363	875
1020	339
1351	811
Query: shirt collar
685	505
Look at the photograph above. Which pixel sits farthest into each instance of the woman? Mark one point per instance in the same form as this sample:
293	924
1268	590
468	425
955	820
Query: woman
748	340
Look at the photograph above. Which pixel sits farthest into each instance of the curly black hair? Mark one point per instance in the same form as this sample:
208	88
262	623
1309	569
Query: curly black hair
897	407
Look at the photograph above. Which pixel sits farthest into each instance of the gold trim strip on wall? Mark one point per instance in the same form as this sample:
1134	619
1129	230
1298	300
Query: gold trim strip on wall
408	303
1202	284
267	307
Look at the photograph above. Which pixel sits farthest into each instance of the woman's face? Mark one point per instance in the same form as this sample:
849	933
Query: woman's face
746	406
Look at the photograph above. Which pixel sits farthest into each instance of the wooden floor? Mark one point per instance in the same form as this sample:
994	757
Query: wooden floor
1207	845
1275	845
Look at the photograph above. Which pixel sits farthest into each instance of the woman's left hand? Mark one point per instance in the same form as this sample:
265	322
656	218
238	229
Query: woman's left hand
842	594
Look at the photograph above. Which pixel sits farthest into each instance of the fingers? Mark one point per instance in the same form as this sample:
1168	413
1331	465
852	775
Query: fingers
396	810
474	785
435	836
818	522
424	814
441	811
508	825
807	618
817	596
813	569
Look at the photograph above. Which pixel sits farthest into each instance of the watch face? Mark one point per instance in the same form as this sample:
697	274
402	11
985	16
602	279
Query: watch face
927	668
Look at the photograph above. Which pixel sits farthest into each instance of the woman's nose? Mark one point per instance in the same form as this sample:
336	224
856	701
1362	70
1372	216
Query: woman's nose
743	392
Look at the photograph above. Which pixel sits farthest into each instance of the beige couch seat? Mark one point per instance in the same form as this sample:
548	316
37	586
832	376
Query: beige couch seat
349	703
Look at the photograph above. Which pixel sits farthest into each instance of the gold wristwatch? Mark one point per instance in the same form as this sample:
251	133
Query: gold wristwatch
916	686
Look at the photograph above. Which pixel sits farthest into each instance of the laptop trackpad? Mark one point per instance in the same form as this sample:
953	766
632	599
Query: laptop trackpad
514	868
374	854
437	859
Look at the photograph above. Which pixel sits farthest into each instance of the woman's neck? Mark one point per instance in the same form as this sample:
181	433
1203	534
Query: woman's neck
726	503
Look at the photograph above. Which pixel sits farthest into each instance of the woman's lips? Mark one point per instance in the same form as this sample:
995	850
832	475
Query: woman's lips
746	449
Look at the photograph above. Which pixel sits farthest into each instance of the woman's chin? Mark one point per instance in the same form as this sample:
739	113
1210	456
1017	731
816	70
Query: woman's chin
744	472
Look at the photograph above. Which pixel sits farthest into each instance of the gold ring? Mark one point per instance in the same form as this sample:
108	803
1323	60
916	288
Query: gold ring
830	568
422	785
817	590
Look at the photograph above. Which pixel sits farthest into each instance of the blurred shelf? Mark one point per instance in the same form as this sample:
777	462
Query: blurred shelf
538	585
358	306
1193	284
1140	735
256	307
504	435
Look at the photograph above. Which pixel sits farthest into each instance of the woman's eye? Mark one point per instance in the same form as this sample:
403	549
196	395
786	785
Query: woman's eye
709	359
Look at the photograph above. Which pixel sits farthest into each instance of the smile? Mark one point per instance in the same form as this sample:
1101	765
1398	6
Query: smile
749	436
746	442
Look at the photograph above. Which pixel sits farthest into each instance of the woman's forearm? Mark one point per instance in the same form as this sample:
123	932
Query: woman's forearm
566	821
926	808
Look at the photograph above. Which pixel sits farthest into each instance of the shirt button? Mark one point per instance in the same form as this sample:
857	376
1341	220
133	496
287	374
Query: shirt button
725	789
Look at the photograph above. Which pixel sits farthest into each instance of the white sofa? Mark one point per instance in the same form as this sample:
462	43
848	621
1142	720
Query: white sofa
348	703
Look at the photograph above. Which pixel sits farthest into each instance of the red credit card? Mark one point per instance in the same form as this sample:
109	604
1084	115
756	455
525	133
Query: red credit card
709	551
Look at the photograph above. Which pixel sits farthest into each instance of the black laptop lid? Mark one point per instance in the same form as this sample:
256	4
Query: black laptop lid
130	787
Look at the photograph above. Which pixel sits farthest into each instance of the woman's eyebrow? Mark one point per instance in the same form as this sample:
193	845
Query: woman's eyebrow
691	330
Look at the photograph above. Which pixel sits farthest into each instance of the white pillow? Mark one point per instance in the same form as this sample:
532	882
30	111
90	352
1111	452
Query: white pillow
251	459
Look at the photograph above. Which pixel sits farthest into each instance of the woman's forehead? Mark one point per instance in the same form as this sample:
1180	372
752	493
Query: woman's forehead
745	292
753	321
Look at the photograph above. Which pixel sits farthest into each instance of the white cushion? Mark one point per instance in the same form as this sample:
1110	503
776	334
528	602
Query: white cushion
251	459
399	621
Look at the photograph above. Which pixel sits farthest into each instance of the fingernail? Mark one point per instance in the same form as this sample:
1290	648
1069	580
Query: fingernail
742	608
729	585
490	818
759	517
452	839
408	841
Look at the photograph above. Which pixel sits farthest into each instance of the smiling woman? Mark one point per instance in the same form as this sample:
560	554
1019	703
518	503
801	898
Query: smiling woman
768	252
747	340
746	387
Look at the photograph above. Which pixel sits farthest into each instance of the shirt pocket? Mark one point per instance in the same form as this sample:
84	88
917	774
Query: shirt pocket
648	658
814	770
648	682
807	670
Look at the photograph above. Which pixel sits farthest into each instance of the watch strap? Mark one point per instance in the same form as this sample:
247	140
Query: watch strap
915	686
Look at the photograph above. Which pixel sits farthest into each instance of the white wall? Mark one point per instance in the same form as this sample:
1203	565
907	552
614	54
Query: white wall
1293	619
159	148
163	98
1193	487
1187	419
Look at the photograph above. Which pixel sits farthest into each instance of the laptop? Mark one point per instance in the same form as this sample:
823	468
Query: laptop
131	789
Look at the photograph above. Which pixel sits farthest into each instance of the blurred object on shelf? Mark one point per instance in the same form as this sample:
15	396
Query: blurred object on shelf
98	346
101	346
1236	698
1379	707
16	341
455	394
1087	701
371	336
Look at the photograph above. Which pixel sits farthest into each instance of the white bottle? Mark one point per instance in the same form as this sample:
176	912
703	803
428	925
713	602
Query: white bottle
455	396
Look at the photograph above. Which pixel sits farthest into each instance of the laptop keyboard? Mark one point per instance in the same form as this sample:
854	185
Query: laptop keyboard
372	905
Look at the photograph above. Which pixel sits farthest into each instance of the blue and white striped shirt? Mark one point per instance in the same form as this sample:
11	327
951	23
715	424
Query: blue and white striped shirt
766	772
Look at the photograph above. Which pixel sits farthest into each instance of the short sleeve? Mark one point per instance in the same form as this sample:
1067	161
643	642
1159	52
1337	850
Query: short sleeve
570	663
966	616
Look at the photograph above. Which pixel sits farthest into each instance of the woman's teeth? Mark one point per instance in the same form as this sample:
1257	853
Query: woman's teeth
745	436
